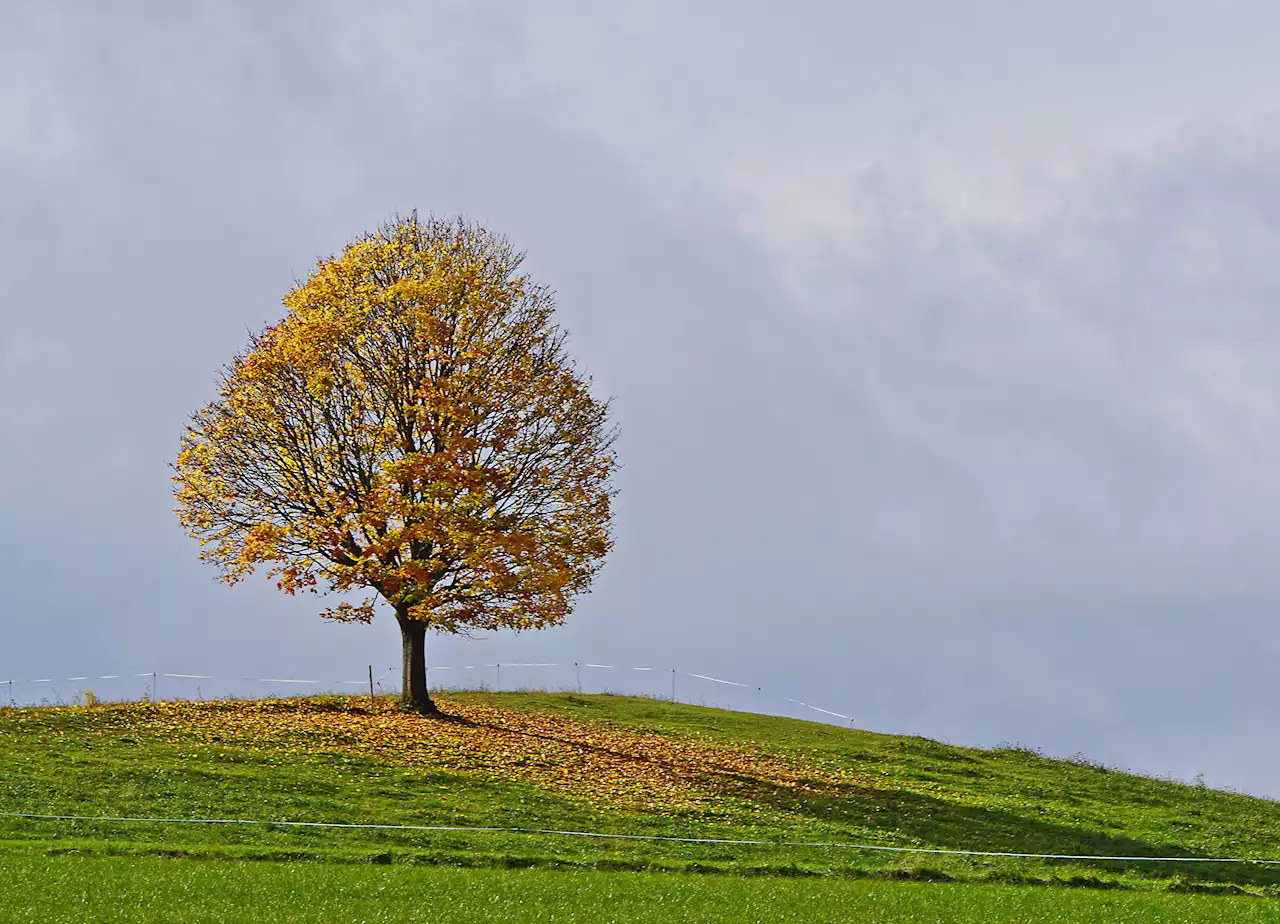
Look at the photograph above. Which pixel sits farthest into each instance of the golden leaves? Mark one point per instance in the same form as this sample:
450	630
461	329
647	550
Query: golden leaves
413	425
350	612
594	764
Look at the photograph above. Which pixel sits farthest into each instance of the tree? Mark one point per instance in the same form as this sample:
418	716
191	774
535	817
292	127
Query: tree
414	427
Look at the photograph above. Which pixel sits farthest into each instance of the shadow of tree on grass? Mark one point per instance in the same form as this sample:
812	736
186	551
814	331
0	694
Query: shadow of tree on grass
912	819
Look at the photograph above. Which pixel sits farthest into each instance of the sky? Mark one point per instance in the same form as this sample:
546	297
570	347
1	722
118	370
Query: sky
943	340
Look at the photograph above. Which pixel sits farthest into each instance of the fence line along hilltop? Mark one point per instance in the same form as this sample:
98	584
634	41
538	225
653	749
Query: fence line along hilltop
663	683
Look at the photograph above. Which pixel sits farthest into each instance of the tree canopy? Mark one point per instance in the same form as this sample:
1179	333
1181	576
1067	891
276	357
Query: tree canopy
413	426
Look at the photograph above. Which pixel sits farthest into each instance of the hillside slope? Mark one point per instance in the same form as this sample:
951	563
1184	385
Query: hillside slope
603	764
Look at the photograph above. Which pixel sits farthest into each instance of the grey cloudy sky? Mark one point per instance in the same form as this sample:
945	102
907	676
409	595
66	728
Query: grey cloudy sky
944	338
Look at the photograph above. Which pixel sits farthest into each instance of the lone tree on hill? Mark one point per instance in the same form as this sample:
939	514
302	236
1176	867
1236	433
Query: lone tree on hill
412	426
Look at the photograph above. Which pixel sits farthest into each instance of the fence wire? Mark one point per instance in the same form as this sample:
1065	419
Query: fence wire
156	676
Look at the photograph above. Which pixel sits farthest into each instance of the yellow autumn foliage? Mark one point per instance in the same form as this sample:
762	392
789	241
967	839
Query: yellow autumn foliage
412	426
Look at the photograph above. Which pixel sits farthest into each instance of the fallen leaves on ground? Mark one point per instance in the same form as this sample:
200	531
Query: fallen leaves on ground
592	763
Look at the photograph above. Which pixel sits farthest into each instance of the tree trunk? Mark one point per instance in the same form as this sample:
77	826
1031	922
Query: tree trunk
413	665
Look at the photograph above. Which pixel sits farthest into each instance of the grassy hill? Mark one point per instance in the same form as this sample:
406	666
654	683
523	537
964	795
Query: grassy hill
604	764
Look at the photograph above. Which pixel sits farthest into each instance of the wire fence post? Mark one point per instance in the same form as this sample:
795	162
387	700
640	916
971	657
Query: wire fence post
155	686
577	670
497	683
371	702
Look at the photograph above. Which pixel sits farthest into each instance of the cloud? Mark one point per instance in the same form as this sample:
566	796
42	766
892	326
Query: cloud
1062	424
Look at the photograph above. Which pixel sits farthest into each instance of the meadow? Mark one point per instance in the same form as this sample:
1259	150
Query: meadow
600	764
45	890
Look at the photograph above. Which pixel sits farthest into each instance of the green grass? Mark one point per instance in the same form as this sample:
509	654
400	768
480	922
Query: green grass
843	785
47	890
